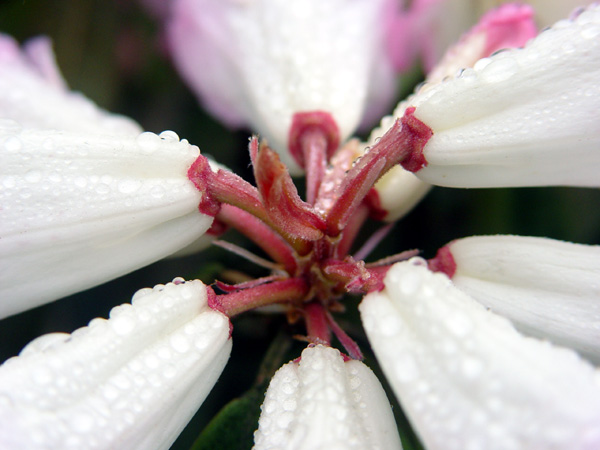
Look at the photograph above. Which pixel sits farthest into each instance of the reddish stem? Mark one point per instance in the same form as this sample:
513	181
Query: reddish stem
402	143
317	327
351	231
245	284
292	289
296	221
259	233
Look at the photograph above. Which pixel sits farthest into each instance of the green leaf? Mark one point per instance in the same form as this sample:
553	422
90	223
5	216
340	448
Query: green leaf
233	427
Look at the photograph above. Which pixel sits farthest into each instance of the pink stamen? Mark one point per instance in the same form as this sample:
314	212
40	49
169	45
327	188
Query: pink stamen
240	251
393	259
349	344
373	241
246	284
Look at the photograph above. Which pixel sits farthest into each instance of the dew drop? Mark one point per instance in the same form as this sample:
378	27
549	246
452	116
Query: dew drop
43	342
123	325
9	125
13	144
129	186
148	142
54	177
102	188
590	31
169	136
499	70
471	367
151	361
42	375
80	182
180	343
201	342
458	324
170	371
406	368
9	182
157	192
409	284
82	422
5	401
48	144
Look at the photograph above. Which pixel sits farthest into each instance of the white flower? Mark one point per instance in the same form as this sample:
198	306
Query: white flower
524	117
398	191
85	196
323	401
467	379
132	381
547	288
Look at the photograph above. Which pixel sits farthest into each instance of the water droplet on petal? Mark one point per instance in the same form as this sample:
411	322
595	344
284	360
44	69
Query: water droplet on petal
102	188
169	136
123	325
180	343
12	144
590	31
129	186
157	191
499	70
148	142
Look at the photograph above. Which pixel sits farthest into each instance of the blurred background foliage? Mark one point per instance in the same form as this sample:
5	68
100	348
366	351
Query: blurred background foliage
114	52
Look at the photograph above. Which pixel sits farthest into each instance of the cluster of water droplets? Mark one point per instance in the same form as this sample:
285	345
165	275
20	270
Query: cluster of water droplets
344	393
452	378
102	379
56	178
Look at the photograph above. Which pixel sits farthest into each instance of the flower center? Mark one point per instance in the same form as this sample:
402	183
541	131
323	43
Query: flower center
308	240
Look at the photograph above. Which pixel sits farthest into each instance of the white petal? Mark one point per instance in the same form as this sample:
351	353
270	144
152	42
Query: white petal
78	210
323	402
548	288
399	191
271	59
133	381
467	379
524	117
33	93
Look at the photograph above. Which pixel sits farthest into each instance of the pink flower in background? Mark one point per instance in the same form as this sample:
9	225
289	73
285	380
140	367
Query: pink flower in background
259	63
426	28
